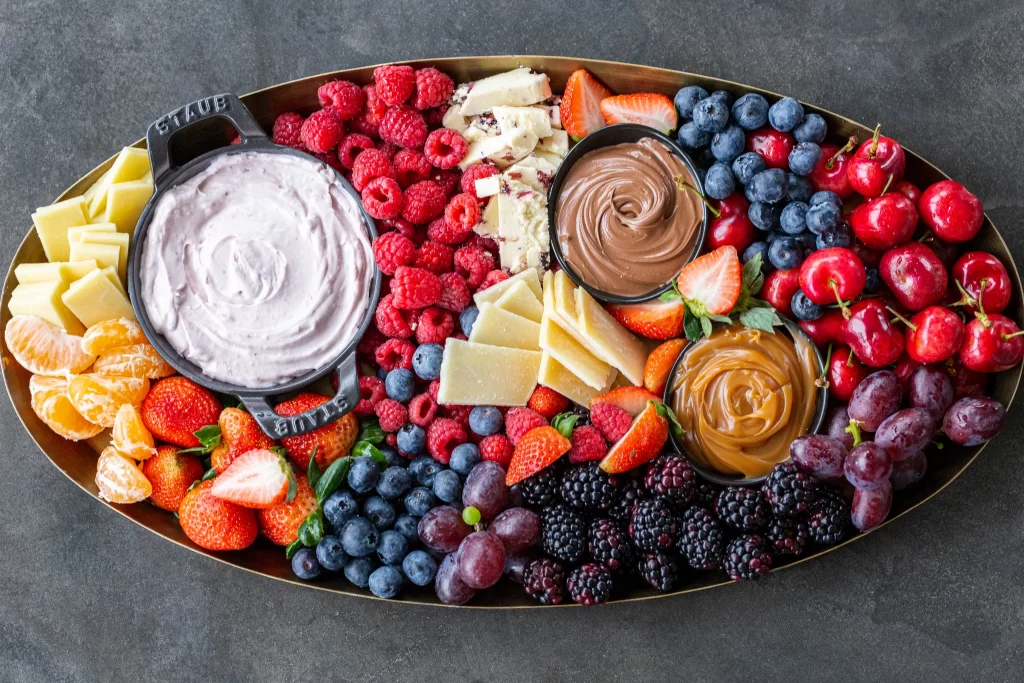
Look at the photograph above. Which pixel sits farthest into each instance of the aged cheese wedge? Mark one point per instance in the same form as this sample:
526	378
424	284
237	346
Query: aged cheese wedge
95	298
131	163
498	327
520	300
492	294
75	233
117	239
43	299
570	353
478	374
52	223
104	254
611	342
555	376
125	202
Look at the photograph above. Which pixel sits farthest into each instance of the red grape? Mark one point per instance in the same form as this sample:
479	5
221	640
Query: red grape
518	529
442	529
480	559
871	507
906	432
485	489
515	566
837	422
877	397
868	466
449	586
909	471
974	420
930	388
819	456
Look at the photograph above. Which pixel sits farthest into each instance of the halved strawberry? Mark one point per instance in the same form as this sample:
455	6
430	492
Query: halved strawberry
633	400
658	319
539	448
659	365
581	104
647	108
711	284
642	443
259	478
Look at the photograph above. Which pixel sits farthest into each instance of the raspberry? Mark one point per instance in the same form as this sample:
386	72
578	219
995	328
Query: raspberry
455	294
492	278
371	392
486	243
435	257
422	410
462	212
587	445
433	388
435	325
496	448
424	201
361	124
401	226
394	83
322	131
459	413
392	415
367	346
445	147
415	288
404	126
350	147
443	435
288	130
375	106
474	173
331	160
435	116
519	421
433	88
411	167
391	321
389	148
382	198
440	230
395	353
547	402
345	97
447	178
370	164
473	263
392	250
612	421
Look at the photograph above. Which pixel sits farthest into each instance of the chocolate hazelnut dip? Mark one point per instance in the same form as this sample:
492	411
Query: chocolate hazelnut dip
742	396
624	226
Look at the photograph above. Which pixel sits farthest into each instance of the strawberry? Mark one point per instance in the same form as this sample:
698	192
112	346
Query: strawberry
547	402
216	524
256	479
332	441
580	110
660	318
631	399
171	473
711	284
653	110
176	407
239	433
642	443
659	365
539	448
280	524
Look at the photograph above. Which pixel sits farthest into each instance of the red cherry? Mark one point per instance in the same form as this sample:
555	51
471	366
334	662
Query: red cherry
870	257
871	335
982	275
915	275
734	229
966	382
779	288
826	329
771	145
733	204
953	213
833	274
905	367
934	335
830	173
946	252
845	372
992	343
876	164
909	189
884	222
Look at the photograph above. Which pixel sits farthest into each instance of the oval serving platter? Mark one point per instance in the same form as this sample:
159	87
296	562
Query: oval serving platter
77	460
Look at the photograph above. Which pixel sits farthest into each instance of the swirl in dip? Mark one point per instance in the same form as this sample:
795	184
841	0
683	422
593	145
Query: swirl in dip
258	269
742	395
624	226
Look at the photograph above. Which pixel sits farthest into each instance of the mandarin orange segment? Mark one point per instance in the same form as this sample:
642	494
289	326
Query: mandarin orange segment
45	349
111	334
99	397
119	479
130	436
133	360
50	402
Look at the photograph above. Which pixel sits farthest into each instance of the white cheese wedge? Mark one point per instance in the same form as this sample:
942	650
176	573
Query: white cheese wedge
519	87
557	143
525	118
554	112
454	119
504	150
495	292
522	227
488	225
498	327
538	179
553	159
479	374
488	187
521	300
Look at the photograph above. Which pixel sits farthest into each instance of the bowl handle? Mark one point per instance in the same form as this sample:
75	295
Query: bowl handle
344	400
224	106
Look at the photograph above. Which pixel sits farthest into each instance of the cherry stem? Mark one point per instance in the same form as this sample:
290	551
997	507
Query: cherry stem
874	142
842	305
888	183
828	361
965	297
683	185
854	429
1008	337
850	144
902	319
927	236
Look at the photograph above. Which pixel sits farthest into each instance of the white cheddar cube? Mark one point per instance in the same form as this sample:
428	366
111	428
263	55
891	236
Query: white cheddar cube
478	374
557	143
494	292
75	234
117	239
488	225
104	254
555	376
488	187
52	223
43	299
498	327
519	87
503	150
554	113
522	227
95	298
553	159
131	163
520	300
526	118
125	202
454	119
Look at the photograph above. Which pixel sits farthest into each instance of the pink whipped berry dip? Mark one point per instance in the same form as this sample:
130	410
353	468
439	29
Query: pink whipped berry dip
258	269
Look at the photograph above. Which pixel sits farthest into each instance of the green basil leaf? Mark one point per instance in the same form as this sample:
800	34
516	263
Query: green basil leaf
369	430
332	478
312	529
764	319
691	326
705	325
365	448
207	475
564	423
313	471
292	548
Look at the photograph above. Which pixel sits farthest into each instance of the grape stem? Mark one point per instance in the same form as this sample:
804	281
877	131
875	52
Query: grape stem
854	429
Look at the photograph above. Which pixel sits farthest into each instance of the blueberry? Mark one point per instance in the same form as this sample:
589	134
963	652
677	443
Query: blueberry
746	166
340	507
394	482
426	361
770	186
811	129
411	439
464	458
386	582
425	475
873	281
785	253
750	111
822	217
724	96
330	553
419	501
701	173
380	512
786	114
826	196
382	374
408	526
692	137
467	318
728	144
392	547
804	308
704	159
447	486
359	537
711	114
418	464
485	420
687	97
809	241
305	565
800	188
393	458
804	157
400	384
419	567
755	249
764	216
363	474
719	182
838	236
794	218
358	570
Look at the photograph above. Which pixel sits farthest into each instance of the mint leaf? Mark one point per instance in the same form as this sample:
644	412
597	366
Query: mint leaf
368	449
753	279
705	325
312	529
691	326
673	421
332	478
207	476
292	548
369	430
763	319
564	423
720	318
313	472
209	438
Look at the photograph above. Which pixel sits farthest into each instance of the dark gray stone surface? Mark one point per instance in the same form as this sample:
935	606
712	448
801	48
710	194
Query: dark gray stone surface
88	596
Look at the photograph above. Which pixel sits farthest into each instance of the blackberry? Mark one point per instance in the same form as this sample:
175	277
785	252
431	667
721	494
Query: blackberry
609	545
590	584
629	495
829	520
660	570
653	527
701	539
787	536
544	581
790	491
671	477
587	487
747	557
541	489
563	533
742	509
706	494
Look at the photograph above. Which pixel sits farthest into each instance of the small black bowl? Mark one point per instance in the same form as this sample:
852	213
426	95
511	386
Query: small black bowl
715	476
605	137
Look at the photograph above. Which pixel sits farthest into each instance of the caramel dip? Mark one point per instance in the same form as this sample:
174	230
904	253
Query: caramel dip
742	395
623	224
